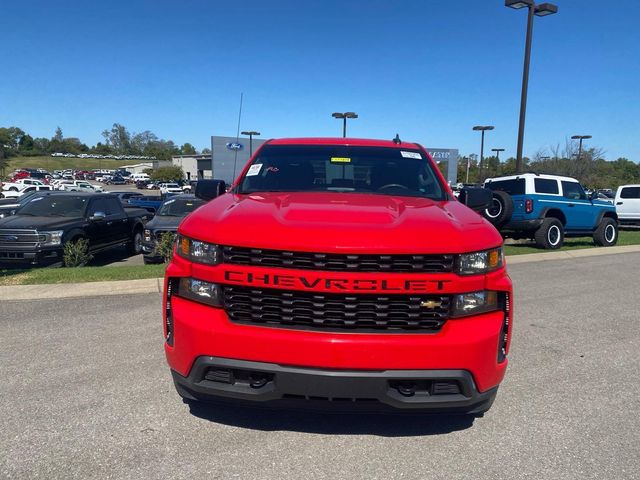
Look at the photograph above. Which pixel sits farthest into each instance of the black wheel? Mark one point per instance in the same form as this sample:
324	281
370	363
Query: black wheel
550	235
606	235
135	246
501	209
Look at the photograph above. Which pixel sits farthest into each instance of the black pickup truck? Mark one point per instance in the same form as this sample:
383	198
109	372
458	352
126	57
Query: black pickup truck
37	233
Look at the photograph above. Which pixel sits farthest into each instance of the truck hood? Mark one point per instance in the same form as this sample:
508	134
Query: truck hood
164	223
38	223
341	222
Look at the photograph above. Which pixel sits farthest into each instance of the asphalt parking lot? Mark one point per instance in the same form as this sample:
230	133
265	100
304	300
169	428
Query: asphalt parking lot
86	394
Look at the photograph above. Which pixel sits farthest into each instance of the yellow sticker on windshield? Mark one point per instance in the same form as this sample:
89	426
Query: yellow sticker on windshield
340	160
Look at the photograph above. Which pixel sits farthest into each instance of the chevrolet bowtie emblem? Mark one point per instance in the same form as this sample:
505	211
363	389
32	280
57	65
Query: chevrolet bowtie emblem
431	304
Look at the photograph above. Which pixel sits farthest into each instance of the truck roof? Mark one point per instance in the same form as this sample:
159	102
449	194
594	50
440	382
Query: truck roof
534	175
362	142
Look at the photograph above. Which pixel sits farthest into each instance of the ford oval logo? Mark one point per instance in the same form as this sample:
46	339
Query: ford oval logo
10	238
234	146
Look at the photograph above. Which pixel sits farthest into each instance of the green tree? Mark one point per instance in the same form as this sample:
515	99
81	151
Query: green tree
118	138
167	174
188	149
58	137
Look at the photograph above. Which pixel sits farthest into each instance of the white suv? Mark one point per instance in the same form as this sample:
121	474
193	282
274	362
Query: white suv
170	188
627	204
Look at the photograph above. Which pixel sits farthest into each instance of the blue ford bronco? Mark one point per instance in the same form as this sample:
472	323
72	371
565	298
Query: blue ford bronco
548	208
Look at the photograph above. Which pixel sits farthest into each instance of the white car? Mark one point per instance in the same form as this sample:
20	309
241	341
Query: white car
19	184
80	186
25	189
87	187
627	204
170	188
63	184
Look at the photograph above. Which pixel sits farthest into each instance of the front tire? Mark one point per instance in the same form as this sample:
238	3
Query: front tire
606	235
134	247
550	235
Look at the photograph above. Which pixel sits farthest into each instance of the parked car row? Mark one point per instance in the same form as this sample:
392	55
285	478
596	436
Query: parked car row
95	155
37	232
35	227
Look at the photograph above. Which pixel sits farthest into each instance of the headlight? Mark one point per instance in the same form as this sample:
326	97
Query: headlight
200	291
52	238
197	251
474	303
147	235
480	262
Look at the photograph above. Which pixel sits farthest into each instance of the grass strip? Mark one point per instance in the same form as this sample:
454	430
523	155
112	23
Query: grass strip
79	275
625	238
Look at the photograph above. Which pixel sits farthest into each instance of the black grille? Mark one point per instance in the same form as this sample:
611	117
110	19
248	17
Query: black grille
333	312
21	238
338	262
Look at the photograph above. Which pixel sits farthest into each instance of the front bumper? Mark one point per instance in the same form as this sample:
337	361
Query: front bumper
214	378
40	256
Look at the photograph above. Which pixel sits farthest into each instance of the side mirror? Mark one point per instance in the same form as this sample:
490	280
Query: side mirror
593	196
476	198
97	216
209	189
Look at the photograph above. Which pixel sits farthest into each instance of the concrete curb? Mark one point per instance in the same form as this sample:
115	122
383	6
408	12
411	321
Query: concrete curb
154	285
74	290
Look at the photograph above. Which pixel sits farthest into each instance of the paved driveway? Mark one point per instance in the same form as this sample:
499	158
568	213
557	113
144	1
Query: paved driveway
86	394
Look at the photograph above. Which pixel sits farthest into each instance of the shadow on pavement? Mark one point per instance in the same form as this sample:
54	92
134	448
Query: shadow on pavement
114	257
341	423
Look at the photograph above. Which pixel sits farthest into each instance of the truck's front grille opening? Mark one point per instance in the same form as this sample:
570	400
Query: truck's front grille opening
246	378
410	388
21	237
338	262
336	312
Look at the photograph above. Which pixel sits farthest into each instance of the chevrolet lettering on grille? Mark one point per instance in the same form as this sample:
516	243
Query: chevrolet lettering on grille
309	282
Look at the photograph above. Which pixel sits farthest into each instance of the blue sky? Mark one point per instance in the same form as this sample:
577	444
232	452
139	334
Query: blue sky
429	70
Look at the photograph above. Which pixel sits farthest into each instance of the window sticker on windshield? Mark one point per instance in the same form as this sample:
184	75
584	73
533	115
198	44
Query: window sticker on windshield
415	155
340	160
254	170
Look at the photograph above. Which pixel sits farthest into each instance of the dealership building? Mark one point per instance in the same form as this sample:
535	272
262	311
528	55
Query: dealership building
229	155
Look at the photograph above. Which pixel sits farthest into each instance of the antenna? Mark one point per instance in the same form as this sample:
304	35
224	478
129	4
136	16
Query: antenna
235	156
397	140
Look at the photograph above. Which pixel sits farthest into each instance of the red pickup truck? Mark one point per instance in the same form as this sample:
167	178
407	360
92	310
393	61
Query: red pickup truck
339	272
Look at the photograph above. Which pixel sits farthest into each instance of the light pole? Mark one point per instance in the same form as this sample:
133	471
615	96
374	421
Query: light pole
541	10
497	152
344	117
251	134
580	137
482	129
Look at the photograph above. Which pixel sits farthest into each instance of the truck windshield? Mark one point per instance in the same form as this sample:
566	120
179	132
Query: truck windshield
178	207
329	168
55	206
